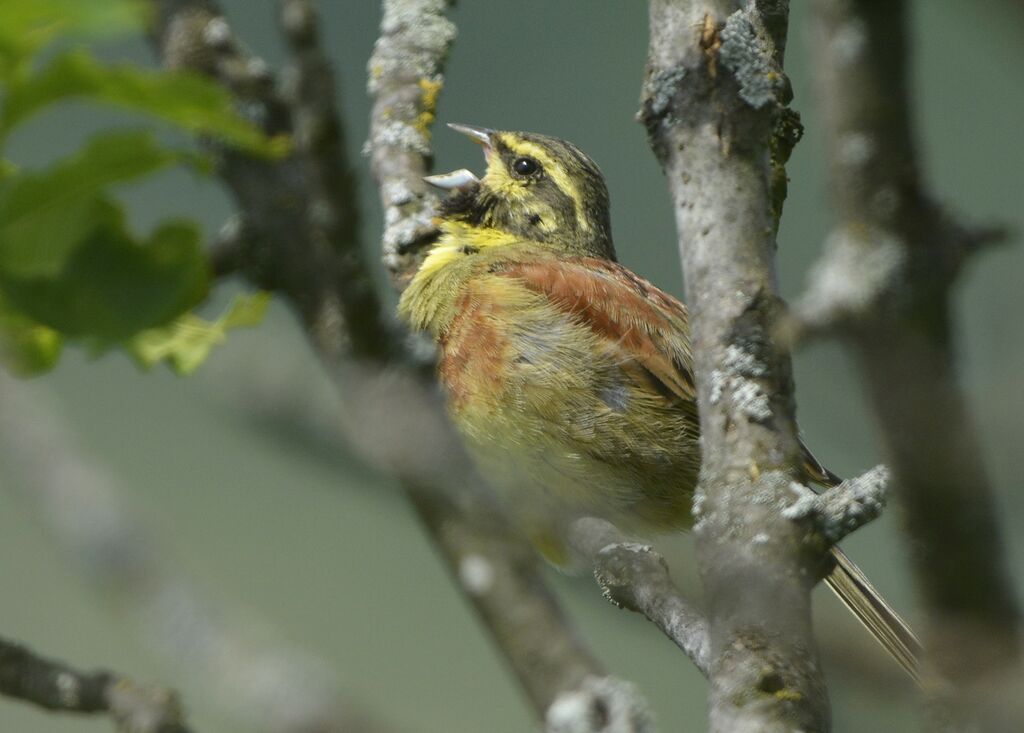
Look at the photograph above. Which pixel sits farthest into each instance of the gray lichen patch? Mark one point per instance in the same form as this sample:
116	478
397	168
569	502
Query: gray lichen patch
403	228
747	54
397	192
476	573
807	502
750	399
398	133
600	704
743	362
698	509
843	508
415	37
857	267
660	89
738	380
855	149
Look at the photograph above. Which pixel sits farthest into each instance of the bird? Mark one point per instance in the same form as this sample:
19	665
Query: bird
570	377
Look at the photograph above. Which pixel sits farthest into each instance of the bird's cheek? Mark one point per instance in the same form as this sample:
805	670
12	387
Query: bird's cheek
505	186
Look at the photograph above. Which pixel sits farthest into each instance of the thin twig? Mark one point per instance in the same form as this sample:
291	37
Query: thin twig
843	508
635	576
405	81
55	686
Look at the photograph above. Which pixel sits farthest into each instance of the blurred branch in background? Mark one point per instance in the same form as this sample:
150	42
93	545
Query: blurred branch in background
884	283
57	687
263	684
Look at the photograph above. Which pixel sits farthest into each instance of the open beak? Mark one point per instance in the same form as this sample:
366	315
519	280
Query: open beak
462	177
450	181
481	134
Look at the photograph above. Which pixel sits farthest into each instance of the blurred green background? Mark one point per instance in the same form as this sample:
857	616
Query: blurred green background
259	510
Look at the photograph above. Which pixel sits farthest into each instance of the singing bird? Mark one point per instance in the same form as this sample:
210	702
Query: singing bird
569	376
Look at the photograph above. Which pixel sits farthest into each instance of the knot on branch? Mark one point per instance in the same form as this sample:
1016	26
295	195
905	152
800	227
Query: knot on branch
600	705
840	510
619	566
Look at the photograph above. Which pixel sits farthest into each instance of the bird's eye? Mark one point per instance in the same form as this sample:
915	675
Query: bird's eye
525	166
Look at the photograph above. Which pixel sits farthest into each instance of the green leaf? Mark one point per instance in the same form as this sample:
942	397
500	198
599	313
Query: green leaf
187	342
111	287
28	25
44	215
191	102
27	347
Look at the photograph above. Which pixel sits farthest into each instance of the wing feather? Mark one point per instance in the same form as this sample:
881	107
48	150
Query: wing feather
646	326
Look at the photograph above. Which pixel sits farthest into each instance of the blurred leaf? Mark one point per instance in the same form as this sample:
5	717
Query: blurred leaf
189	101
27	347
44	215
187	342
28	25
111	287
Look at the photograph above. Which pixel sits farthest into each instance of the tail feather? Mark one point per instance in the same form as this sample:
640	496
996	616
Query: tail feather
854	589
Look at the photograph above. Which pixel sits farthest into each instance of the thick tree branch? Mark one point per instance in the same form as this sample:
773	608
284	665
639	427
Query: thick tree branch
57	687
714	104
885	284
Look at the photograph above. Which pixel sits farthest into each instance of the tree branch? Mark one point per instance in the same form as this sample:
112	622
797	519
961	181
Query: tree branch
405	81
635	577
57	687
291	252
713	104
841	509
305	244
884	283
496	570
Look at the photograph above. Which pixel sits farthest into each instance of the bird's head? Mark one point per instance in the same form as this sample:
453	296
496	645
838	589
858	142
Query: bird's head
536	188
